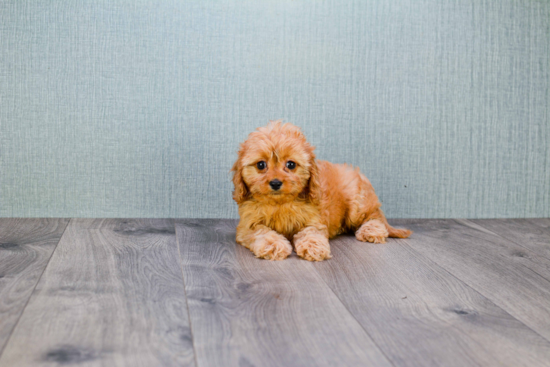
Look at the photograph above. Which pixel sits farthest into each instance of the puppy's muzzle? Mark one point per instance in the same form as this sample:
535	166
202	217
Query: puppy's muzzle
275	184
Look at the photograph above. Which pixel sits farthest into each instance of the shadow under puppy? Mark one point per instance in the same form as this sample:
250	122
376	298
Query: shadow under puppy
285	195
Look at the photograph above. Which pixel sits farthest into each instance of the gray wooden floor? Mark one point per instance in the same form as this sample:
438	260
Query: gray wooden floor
163	292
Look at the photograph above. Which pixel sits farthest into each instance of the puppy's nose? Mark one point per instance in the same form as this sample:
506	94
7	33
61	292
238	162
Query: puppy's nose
275	184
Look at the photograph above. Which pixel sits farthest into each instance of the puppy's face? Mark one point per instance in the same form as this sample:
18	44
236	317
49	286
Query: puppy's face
277	169
275	164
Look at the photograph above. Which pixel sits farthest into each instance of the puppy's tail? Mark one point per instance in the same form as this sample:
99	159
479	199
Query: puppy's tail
398	233
393	232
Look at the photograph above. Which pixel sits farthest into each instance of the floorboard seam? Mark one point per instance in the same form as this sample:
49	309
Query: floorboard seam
472	288
33	289
536	272
353	316
507	239
185	294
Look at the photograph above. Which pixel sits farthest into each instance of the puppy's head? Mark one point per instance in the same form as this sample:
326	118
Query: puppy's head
276	164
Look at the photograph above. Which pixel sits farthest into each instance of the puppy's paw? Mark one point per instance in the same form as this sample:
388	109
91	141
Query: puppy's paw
312	246
271	246
372	231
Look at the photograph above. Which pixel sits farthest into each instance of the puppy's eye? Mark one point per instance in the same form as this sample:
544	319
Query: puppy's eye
261	165
290	165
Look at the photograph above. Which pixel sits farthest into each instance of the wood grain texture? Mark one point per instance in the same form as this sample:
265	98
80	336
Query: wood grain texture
421	315
26	246
250	312
513	277
533	234
112	296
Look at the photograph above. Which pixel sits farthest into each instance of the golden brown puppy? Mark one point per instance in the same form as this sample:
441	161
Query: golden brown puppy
285	195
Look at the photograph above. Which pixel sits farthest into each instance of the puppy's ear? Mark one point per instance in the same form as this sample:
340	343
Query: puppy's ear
241	191
314	189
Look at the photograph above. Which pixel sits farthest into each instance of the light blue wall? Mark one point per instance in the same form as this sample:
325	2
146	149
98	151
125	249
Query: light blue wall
136	108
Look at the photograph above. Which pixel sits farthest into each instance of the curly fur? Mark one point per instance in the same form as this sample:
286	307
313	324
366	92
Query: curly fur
317	200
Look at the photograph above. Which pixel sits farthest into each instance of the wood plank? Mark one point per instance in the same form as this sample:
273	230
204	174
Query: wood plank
420	315
112	295
26	246
542	222
514	278
250	312
533	234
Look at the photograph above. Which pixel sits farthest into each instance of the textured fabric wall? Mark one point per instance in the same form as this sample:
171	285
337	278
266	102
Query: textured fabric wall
136	108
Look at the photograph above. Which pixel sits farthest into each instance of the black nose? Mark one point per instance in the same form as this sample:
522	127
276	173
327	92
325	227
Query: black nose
275	184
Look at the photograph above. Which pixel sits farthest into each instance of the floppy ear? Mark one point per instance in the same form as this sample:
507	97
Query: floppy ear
314	189
241	191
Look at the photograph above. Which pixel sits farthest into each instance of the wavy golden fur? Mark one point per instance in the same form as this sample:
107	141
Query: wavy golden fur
316	200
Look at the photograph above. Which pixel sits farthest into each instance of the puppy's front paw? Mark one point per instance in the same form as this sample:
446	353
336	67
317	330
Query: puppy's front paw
271	246
372	231
312	247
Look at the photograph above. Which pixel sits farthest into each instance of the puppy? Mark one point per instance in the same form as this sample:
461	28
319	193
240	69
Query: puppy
287	196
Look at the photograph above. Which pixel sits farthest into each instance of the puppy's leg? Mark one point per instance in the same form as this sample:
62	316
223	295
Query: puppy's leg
311	243
376	229
372	230
264	242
